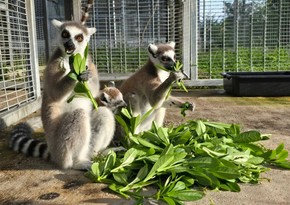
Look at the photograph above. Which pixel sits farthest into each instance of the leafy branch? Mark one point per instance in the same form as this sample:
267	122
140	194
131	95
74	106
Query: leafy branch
81	89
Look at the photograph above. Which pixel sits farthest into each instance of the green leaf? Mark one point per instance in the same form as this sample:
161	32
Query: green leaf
73	76
95	169
77	61
117	188
80	88
110	162
86	53
148	144
213	153
163	135
249	136
188	181
231	186
134	122
280	148
178	65
180	185
283	164
70	98
162	163
201	128
205	162
122	122
129	157
83	65
282	156
121	178
146	115
141	174
169	200
225	173
187	195
152	137
126	113
255	160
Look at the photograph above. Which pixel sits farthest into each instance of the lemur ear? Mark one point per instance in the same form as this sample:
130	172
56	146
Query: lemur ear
172	44
111	84
152	49
57	24
92	31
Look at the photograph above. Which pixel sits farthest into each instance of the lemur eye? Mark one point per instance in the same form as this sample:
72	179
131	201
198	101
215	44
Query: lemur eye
165	58
65	34
104	99
79	38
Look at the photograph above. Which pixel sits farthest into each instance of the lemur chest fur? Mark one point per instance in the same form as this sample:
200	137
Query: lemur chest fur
162	75
64	65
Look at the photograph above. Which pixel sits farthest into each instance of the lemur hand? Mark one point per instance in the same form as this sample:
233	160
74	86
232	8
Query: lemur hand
175	76
187	106
85	75
190	106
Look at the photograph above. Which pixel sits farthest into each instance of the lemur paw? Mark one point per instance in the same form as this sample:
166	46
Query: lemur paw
191	106
176	76
85	75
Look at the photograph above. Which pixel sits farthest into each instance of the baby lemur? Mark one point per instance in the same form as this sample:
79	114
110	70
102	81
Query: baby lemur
73	131
148	87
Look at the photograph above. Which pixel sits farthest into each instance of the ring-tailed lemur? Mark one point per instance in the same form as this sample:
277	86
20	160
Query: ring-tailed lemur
148	87
112	98
71	129
21	136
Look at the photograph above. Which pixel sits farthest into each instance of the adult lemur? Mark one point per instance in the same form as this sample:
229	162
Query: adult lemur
148	87
73	131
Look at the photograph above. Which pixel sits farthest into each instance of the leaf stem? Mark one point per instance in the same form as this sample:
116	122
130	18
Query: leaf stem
89	94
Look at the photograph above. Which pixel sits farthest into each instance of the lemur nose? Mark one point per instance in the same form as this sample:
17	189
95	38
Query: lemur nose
69	45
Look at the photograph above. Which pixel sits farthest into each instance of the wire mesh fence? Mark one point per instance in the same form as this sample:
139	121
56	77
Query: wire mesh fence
242	35
125	28
17	71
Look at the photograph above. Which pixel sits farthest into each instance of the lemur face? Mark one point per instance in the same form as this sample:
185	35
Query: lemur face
163	55
73	36
112	98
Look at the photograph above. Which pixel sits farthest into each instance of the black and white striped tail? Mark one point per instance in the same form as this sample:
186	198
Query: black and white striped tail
21	141
85	15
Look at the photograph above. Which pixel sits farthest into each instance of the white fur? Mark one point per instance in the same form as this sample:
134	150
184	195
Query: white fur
162	74
103	124
170	54
172	44
57	24
153	48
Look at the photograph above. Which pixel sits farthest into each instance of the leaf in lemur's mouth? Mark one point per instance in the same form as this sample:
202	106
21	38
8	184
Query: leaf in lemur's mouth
176	68
78	66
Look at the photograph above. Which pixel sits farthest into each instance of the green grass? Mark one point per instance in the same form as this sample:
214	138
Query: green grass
211	64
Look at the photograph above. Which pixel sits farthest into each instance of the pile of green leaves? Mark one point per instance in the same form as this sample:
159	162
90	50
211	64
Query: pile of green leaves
78	64
179	162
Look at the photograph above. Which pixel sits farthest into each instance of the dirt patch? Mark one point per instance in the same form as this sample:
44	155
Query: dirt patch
25	180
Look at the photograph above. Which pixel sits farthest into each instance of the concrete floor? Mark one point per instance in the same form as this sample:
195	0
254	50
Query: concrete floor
30	181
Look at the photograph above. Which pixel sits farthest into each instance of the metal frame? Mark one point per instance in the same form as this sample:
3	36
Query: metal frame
15	114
